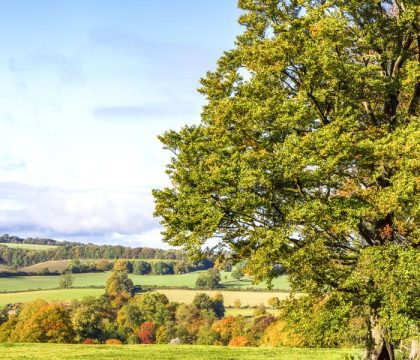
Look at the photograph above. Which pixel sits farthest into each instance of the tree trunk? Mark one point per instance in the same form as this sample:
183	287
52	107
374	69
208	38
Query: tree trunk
378	348
415	350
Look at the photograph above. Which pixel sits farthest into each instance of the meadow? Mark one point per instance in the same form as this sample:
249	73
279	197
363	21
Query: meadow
49	295
22	283
167	352
38	247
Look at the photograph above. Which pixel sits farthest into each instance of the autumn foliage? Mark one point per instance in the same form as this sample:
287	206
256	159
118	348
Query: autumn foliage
147	333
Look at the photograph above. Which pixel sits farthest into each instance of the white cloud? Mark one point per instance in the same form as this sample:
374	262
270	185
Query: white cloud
104	216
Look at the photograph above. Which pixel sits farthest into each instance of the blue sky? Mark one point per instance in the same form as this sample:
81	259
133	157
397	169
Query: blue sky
86	88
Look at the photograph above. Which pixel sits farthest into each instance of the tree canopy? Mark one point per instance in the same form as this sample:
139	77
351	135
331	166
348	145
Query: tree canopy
307	155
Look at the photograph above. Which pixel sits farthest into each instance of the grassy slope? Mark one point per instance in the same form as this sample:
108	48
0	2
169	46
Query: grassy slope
6	268
21	283
67	294
164	352
29	246
53	265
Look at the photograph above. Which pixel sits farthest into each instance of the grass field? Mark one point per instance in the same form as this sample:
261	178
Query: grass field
29	246
52	266
61	294
21	283
165	352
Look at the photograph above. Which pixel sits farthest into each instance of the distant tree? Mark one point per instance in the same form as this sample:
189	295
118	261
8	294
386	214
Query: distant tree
274	302
141	268
203	302
218	305
118	285
181	267
260	310
162	268
93	318
229	327
103	265
208	280
66	280
147	333
237	304
238	271
154	307
40	321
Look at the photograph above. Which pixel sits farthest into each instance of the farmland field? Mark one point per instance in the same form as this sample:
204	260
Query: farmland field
21	283
165	352
29	246
250	298
52	266
61	294
246	311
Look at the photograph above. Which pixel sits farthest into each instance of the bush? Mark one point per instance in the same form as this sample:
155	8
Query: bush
239	341
113	342
209	280
89	341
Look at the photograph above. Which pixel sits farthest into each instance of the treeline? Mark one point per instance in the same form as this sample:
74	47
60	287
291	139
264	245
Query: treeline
6	238
141	267
25	257
120	317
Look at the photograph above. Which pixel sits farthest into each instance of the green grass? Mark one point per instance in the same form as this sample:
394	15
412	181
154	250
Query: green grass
21	283
38	247
48	295
165	352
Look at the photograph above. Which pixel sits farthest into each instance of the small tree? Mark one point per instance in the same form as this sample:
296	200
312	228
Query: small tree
119	286
260	310
66	280
237	304
274	302
147	333
208	280
218	305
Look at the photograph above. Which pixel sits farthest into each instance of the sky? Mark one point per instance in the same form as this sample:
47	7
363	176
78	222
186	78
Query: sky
86	87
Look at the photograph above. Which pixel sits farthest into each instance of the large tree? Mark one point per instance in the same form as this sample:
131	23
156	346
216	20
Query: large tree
307	156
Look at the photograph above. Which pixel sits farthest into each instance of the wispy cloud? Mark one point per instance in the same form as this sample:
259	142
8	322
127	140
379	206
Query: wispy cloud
159	110
11	163
44	60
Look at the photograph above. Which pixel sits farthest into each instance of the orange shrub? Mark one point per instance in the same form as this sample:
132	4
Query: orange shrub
113	342
89	341
239	341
